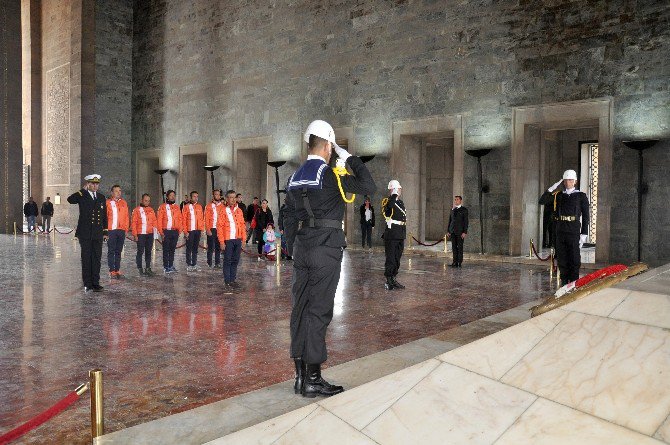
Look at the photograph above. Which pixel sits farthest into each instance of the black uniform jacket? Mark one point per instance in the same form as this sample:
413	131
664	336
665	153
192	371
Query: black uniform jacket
458	221
262	221
575	204
363	221
92	222
47	208
326	203
395	209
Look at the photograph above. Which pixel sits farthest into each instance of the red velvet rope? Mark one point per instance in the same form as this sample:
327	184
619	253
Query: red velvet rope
427	245
532	245
38	420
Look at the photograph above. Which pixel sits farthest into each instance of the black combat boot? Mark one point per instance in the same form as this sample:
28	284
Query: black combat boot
396	284
140	271
314	385
389	285
299	375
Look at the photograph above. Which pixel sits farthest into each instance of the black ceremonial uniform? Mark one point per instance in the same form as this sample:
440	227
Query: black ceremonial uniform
313	229
568	210
91	228
394	237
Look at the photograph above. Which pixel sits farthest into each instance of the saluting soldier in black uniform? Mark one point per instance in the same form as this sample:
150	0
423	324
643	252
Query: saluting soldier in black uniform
394	235
91	230
569	207
313	227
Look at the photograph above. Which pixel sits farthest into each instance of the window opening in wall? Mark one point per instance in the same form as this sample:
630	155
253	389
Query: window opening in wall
589	184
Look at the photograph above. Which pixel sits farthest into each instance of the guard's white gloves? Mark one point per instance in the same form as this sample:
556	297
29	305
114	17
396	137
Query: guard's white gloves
555	186
582	240
341	152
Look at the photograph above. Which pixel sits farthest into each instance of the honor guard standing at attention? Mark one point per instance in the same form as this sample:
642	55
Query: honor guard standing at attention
91	230
395	233
457	230
118	223
569	207
313	226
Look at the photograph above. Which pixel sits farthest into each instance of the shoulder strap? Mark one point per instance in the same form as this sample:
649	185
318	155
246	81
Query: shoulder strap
308	207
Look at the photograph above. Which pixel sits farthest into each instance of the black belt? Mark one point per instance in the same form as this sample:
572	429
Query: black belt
566	218
331	223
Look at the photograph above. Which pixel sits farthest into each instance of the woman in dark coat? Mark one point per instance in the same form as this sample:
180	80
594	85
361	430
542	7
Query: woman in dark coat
263	217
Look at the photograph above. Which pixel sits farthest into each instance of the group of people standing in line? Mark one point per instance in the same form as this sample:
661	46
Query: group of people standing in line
31	213
225	221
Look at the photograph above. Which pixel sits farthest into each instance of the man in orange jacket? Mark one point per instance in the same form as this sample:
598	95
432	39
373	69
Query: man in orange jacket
231	230
169	227
194	220
212	216
118	222
143	227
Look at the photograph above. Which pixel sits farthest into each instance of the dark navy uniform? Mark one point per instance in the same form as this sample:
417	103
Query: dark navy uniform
458	225
394	238
568	210
314	236
91	228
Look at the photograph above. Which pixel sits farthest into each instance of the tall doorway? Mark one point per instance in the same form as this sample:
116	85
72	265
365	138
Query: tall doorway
146	179
251	176
194	176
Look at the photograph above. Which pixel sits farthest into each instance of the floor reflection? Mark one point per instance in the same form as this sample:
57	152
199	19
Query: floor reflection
166	344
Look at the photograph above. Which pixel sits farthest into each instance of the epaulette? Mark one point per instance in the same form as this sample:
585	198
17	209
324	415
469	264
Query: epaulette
79	191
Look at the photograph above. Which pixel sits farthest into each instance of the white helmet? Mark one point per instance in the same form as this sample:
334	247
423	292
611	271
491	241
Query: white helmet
320	129
394	184
570	174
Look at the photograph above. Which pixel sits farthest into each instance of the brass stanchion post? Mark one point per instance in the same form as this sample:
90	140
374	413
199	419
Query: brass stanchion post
551	265
278	254
14	228
530	248
445	244
410	241
558	277
97	420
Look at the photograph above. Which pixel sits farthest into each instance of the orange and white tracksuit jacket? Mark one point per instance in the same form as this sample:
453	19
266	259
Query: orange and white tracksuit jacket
144	221
192	218
169	217
213	212
231	225
117	215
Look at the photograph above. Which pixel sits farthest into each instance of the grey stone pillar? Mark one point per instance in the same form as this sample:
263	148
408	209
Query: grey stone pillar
11	149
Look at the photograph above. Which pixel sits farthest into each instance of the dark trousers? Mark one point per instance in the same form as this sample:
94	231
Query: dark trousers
567	256
231	258
547	230
213	247
91	253
170	238
145	243
366	234
46	223
457	247
116	239
261	243
316	272
192	246
393	249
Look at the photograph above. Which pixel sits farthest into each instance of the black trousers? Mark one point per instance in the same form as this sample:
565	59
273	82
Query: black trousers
316	272
145	243
192	243
170	238
115	240
91	253
393	249
568	257
213	248
457	247
366	230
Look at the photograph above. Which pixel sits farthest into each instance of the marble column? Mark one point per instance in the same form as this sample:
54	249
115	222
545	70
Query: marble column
11	150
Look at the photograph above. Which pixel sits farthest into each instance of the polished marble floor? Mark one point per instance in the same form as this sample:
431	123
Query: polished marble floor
169	344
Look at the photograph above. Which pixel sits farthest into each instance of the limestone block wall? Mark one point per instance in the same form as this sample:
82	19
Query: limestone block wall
218	71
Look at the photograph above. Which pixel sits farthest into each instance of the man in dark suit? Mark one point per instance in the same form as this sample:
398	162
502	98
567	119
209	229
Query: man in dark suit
458	230
367	222
91	230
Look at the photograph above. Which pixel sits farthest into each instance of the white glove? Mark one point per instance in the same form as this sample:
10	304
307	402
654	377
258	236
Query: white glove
341	152
555	186
582	240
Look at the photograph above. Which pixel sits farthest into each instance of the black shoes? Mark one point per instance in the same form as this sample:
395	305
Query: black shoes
299	375
234	285
396	284
97	288
148	272
389	285
453	265
314	385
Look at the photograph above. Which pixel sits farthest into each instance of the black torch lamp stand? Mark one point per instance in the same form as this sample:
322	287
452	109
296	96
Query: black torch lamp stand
211	169
640	146
161	172
276	165
479	153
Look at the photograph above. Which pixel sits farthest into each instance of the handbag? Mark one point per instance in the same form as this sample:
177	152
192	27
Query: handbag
253	222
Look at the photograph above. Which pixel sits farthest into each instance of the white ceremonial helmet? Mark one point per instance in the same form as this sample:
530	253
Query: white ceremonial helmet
92	178
570	174
394	184
320	129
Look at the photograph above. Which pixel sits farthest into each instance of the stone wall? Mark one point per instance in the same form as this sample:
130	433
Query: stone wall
215	72
11	206
113	158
